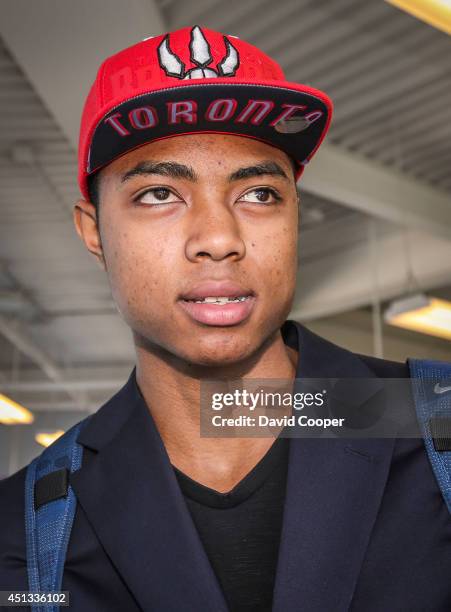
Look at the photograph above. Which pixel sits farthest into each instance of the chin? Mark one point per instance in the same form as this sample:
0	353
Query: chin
219	351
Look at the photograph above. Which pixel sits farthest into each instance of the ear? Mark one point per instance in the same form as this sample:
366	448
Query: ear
85	220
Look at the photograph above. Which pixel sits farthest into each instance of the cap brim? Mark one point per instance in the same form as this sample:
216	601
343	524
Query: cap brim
289	116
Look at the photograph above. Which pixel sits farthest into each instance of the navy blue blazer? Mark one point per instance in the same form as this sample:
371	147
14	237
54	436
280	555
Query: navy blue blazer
365	527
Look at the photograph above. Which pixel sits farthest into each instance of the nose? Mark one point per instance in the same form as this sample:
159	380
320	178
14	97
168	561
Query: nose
214	234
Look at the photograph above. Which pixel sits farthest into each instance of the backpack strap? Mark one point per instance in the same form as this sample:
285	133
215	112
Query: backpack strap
431	385
49	513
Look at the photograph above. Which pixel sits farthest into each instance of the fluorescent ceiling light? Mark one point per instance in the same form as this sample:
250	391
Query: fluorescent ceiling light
12	413
45	438
436	13
427	315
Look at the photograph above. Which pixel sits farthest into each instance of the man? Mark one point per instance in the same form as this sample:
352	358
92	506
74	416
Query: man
191	144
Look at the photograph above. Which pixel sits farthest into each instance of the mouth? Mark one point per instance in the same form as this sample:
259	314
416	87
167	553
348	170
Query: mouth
219	310
221	300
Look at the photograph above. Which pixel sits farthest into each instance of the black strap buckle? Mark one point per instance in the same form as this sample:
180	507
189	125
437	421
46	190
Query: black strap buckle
50	487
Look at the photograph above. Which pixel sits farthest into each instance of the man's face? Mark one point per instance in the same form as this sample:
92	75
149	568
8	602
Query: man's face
181	212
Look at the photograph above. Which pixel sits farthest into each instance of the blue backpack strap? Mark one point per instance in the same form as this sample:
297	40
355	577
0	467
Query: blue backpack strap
431	384
49	513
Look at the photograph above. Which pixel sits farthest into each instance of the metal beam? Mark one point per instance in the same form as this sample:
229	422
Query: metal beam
78	37
16	333
46	386
381	192
66	406
345	279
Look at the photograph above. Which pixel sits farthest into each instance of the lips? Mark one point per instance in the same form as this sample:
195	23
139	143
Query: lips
224	288
200	305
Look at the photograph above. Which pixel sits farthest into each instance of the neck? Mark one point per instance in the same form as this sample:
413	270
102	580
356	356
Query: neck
171	388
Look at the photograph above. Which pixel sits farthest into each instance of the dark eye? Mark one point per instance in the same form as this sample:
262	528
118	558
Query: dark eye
158	195
262	195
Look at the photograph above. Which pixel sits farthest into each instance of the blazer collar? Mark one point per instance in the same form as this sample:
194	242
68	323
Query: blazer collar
130	494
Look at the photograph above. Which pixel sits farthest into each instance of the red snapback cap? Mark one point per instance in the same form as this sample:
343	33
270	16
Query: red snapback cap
196	80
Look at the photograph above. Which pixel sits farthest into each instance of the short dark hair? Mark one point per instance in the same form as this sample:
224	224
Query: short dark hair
94	184
93	189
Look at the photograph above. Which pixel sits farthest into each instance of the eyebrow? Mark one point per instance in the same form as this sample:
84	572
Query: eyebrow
181	171
169	168
263	168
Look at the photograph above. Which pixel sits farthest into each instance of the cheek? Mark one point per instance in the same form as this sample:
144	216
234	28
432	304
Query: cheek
276	254
139	267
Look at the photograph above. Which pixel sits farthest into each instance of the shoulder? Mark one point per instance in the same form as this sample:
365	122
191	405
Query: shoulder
385	368
12	497
325	358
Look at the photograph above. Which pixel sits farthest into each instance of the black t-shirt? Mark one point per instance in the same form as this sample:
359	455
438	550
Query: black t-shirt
240	530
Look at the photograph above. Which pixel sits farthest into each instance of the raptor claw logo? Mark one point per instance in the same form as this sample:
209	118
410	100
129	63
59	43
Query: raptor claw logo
200	54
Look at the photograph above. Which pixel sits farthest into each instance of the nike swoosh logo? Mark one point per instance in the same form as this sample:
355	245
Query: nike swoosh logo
439	389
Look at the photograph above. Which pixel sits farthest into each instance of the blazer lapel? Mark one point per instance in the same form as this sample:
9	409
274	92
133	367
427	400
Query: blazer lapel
131	497
334	489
